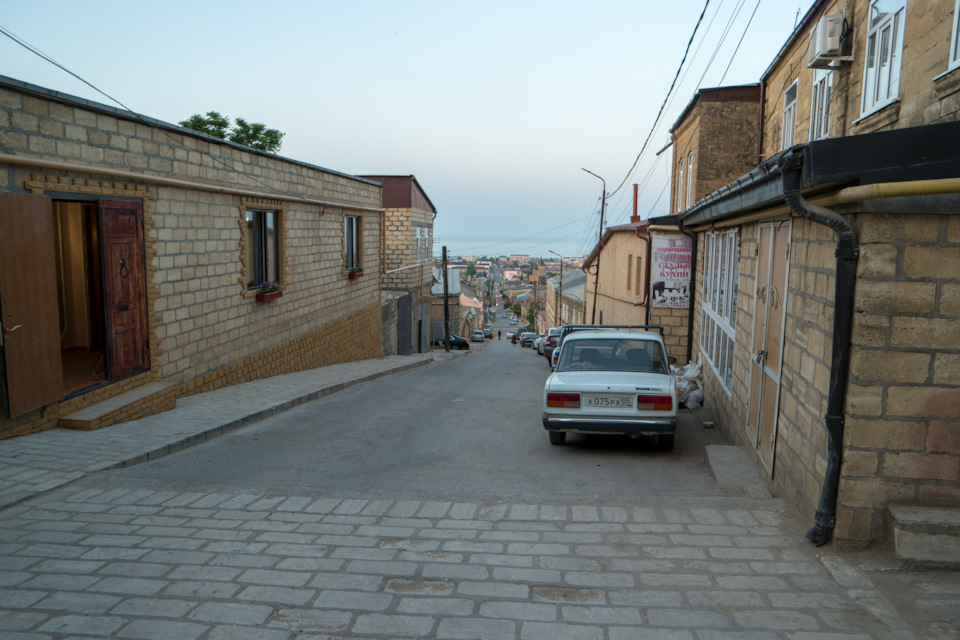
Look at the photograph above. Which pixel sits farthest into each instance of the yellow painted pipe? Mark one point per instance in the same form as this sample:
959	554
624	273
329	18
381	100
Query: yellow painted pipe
899	189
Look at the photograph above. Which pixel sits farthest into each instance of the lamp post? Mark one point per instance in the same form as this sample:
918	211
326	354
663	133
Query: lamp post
596	278
559	300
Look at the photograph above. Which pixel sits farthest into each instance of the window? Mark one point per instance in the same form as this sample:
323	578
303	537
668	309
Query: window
789	116
629	270
955	39
640	274
881	73
352	243
419	245
263	247
680	186
719	307
689	179
820	104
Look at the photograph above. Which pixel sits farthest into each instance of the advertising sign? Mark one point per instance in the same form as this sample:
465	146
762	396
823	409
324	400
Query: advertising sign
670	271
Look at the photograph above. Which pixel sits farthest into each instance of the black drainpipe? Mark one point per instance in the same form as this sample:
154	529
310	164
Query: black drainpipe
693	288
847	255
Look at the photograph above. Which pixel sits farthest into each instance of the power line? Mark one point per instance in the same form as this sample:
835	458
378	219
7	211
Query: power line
664	104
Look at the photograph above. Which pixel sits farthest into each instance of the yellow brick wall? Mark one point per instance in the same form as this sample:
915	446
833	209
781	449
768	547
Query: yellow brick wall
926	95
205	328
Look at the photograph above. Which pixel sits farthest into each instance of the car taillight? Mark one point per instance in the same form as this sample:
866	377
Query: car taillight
564	400
654	403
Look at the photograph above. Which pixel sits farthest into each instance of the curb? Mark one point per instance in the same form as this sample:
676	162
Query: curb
70	477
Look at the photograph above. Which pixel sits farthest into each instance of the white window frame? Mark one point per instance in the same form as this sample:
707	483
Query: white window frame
882	88
419	244
788	135
820	96
689	179
718	320
680	186
955	38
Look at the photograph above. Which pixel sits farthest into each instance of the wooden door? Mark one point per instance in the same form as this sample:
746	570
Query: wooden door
766	361
124	287
28	303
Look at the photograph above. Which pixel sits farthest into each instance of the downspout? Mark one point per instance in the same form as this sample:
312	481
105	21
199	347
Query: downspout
847	255
693	286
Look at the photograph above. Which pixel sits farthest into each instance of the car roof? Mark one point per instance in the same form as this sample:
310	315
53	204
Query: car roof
621	334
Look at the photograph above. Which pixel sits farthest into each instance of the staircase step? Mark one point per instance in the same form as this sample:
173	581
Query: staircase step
145	400
927	537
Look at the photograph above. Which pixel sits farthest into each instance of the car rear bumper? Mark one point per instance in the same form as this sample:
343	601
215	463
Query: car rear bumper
625	426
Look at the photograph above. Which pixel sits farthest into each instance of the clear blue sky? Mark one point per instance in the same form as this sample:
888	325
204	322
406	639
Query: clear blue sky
494	106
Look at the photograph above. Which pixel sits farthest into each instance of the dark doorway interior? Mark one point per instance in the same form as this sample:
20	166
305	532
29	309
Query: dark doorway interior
79	295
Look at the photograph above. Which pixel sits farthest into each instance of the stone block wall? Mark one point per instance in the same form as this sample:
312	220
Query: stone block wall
903	408
205	328
674	323
400	247
928	93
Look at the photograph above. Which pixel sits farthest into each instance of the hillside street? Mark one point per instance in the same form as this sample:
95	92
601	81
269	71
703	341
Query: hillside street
427	504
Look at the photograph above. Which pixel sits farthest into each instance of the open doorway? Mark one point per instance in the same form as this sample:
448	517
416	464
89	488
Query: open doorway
80	295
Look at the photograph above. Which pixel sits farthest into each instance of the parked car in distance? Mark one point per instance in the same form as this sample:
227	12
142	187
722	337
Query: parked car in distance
510	334
611	382
488	332
526	339
456	342
550	342
477	336
538	343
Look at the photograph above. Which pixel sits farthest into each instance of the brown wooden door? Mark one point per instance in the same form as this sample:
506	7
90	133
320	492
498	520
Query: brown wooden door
773	258
124	287
28	303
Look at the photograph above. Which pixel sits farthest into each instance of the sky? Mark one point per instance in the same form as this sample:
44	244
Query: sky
496	107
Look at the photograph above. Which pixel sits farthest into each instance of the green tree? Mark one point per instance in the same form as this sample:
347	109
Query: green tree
471	270
255	135
517	309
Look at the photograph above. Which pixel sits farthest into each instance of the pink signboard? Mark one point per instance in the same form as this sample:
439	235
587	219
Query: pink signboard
670	271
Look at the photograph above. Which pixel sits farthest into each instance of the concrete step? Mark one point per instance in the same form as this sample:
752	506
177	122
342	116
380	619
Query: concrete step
145	400
927	537
735	471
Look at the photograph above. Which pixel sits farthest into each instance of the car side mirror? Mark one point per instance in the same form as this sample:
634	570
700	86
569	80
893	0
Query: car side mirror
672	360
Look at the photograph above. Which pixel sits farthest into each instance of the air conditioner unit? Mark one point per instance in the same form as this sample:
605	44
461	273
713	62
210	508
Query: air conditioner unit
826	44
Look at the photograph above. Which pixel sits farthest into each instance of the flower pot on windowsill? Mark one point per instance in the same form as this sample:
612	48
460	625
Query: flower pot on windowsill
272	295
354	276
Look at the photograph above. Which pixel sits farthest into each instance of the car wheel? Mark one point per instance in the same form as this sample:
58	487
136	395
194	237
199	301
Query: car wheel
557	437
665	442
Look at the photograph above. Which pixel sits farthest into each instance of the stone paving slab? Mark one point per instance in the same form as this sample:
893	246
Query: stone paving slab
36	463
159	564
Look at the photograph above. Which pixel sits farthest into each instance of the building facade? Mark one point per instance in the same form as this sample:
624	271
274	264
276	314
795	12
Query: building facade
407	263
828	277
132	256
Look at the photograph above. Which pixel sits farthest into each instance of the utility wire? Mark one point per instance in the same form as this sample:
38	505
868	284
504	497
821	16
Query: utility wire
140	118
664	104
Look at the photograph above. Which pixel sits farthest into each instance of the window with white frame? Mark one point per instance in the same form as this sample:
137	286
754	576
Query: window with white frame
820	104
881	71
719	307
689	179
680	186
955	38
419	244
352	243
789	116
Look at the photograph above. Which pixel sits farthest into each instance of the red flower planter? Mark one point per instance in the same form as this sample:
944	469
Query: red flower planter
273	295
354	276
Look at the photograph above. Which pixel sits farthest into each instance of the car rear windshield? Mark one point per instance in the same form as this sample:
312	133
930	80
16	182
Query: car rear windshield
613	354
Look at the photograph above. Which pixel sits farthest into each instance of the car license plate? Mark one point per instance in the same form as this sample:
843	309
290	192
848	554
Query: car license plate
612	402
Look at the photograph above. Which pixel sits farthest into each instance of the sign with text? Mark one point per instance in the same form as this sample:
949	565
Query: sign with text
670	271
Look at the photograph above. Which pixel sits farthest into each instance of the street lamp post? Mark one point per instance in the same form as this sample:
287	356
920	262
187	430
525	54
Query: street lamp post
556	305
596	278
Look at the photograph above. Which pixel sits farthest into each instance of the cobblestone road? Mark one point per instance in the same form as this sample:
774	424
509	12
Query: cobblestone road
146	564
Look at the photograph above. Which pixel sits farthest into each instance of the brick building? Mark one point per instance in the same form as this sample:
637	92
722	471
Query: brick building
407	263
131	251
827	303
637	284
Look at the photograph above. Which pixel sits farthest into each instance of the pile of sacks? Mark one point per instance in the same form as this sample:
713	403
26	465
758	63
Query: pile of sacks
689	389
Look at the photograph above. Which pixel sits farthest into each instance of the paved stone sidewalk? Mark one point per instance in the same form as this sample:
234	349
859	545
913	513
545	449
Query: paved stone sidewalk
33	464
146	564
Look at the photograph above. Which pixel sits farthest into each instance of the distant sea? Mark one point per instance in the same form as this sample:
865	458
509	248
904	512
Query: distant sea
502	245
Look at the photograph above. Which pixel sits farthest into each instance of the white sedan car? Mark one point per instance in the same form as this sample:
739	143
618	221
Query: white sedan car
612	382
